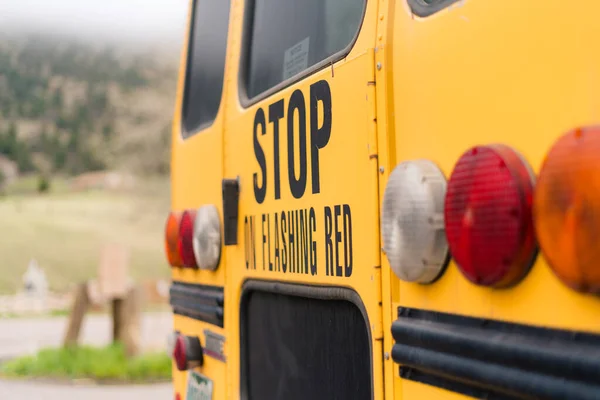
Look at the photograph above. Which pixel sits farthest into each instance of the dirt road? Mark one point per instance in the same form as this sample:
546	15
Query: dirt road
20	336
39	391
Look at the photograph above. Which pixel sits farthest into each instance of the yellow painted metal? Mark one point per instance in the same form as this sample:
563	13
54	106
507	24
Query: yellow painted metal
348	176
478	72
488	72
481	72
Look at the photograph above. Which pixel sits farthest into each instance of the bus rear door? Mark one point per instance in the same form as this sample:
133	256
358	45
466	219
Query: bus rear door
196	174
300	142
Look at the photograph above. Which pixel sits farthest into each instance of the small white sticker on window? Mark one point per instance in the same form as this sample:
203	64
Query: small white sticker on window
295	59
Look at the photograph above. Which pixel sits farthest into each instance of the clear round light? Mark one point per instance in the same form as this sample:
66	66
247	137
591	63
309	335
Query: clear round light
170	345
412	220
207	237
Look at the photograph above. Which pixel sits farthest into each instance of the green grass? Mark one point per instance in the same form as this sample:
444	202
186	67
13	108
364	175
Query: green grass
51	314
66	231
107	364
28	185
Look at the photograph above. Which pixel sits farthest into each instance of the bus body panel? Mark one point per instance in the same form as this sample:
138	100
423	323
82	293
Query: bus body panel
196	175
476	73
496	72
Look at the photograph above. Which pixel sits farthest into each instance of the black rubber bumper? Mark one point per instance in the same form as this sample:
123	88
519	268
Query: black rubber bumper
495	359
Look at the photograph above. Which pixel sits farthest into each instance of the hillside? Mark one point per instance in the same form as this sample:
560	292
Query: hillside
68	107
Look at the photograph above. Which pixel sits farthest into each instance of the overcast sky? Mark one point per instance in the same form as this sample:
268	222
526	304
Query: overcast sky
148	20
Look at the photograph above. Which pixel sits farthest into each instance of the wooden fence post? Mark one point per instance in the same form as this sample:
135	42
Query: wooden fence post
117	319
128	318
81	303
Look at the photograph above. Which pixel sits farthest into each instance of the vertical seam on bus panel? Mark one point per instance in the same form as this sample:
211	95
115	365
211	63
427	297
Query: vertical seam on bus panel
385	140
373	158
229	66
374	152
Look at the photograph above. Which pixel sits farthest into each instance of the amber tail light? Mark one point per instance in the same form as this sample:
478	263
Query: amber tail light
567	209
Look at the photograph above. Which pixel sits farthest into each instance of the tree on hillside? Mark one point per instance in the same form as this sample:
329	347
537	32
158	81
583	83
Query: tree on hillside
83	118
8	141
132	78
107	131
16	150
98	100
58	99
38	107
6	108
74	143
58	152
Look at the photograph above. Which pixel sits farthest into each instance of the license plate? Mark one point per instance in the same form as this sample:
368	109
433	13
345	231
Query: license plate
199	387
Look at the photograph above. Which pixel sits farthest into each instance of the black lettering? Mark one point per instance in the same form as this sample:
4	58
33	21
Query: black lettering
275	114
347	241
269	241
298	244
328	243
250	243
304	239
253	239
264	240
297	186
260	191
319	136
291	241
277	260
283	243
338	239
246	243
313	243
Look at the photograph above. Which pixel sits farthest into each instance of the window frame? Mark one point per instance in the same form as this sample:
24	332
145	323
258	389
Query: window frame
247	25
183	131
317	292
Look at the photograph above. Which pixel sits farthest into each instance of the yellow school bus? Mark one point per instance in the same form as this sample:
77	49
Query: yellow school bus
386	199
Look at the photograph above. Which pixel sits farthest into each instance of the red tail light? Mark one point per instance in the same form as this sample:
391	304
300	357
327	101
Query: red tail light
172	239
188	352
488	217
179	354
186	235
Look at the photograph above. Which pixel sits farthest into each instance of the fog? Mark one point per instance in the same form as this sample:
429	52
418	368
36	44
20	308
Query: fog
153	22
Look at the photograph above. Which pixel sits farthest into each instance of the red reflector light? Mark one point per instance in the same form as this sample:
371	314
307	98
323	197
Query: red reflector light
188	352
487	214
185	244
179	353
567	209
172	238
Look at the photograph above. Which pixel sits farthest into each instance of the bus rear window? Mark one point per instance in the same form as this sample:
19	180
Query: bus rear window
206	64
287	38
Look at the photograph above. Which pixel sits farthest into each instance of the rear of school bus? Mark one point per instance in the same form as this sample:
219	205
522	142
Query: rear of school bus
387	199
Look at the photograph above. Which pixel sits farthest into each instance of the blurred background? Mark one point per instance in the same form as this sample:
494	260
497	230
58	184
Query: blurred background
87	93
